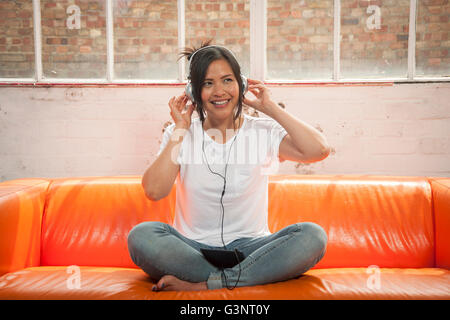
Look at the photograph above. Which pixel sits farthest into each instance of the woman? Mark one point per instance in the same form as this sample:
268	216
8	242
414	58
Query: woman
221	162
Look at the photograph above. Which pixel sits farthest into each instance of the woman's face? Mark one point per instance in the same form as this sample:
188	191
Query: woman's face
220	90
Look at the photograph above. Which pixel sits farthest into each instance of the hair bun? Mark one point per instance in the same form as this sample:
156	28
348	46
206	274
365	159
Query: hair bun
188	52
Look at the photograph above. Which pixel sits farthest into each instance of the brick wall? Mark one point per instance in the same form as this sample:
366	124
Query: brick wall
16	39
146	39
73	52
300	39
374	38
433	38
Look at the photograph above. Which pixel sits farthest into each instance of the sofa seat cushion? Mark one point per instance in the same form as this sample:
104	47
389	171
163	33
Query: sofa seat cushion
130	283
60	282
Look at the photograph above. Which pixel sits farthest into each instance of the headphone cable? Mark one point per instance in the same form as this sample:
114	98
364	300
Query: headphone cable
221	203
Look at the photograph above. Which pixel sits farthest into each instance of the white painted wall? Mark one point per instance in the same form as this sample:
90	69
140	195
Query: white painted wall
402	129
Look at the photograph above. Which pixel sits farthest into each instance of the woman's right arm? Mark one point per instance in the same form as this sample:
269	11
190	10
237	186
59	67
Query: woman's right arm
159	178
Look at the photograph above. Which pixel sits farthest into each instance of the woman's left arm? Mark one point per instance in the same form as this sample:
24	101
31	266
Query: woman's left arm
303	143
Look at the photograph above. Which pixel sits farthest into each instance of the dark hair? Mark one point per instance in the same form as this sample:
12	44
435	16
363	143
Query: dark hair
199	66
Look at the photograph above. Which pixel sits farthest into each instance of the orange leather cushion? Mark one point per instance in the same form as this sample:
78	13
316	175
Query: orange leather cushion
87	220
441	202
130	283
383	221
21	207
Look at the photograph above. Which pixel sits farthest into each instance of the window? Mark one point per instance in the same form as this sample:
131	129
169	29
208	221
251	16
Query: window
145	39
433	38
374	39
73	38
299	39
138	41
227	22
16	39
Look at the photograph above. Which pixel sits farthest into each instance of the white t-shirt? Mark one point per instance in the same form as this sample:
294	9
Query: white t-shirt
252	155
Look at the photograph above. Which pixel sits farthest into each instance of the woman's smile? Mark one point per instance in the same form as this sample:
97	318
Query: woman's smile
221	103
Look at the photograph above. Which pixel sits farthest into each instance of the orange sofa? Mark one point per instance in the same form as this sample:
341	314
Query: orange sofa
388	238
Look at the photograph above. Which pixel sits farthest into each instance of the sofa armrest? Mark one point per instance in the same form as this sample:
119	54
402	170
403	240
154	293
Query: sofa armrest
441	205
21	207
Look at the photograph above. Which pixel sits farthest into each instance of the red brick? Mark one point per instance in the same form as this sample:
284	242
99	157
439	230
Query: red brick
85	49
443	18
296	14
434	61
274	23
62	49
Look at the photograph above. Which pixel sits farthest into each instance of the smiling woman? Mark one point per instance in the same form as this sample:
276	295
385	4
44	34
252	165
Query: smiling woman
222	204
208	66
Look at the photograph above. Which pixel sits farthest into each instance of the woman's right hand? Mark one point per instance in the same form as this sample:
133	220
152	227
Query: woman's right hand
181	118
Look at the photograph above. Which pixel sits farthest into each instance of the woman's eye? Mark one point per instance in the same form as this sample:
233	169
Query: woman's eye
209	83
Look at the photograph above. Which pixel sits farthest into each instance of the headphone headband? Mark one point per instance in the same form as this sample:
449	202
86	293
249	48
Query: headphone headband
206	47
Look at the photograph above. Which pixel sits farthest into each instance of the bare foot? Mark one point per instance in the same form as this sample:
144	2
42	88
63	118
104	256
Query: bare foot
172	283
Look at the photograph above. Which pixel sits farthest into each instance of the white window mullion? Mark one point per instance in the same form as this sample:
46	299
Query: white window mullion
258	39
109	41
412	40
181	38
37	40
337	41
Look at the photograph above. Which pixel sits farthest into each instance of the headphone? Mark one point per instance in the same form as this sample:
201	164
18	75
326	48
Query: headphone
189	88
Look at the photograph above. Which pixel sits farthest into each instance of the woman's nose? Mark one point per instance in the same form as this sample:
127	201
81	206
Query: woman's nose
218	90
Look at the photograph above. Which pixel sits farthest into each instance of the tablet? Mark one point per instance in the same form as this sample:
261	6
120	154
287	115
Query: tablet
222	258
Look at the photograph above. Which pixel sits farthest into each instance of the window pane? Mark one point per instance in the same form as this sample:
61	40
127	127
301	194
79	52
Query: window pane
73	38
16	39
432	38
227	22
299	39
374	39
145	39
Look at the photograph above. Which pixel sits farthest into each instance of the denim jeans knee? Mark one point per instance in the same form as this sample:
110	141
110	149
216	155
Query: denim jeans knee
143	232
318	235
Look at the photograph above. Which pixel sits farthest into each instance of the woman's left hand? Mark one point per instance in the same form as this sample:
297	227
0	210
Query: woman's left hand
263	101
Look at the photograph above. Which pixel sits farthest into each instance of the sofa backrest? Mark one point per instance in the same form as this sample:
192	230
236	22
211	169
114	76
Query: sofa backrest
370	220
382	221
86	220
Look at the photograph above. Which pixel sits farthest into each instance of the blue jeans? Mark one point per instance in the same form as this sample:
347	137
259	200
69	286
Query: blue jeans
159	249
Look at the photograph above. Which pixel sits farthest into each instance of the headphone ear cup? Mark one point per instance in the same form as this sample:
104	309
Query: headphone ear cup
244	84
188	91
